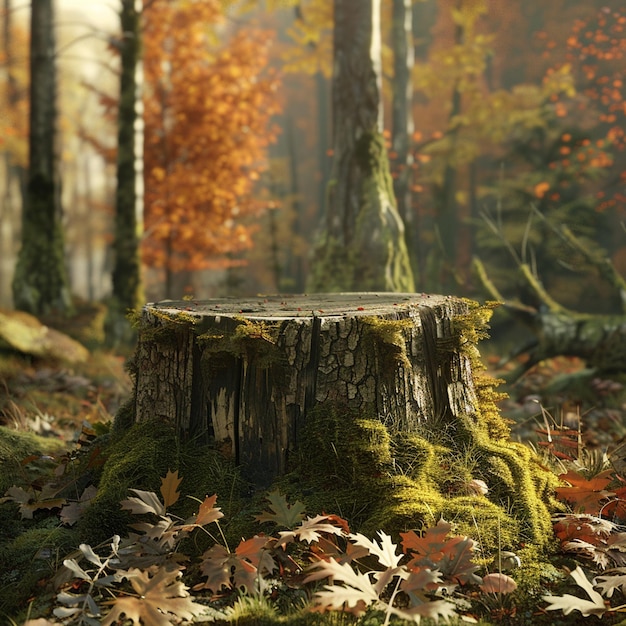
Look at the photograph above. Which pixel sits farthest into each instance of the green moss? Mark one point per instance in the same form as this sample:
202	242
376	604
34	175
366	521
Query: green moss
389	338
255	340
468	330
517	481
29	561
342	463
354	467
15	446
138	459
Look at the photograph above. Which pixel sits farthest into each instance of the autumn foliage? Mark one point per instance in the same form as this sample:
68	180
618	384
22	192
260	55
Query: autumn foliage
208	111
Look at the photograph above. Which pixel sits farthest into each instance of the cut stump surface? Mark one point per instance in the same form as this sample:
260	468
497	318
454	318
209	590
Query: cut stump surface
244	373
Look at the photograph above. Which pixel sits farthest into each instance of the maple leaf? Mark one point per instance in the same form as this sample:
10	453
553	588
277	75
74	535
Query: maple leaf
281	512
585	495
436	610
568	603
216	567
617	508
208	512
160	598
586	550
421	579
385	551
327	548
73	511
309	530
226	569
451	555
610	582
257	551
169	488
430	543
146	502
29	502
588	528
356	593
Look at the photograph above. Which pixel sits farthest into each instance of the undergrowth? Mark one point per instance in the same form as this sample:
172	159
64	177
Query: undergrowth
173	559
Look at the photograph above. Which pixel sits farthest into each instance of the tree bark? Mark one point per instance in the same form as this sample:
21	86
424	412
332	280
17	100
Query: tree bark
245	374
402	110
362	234
40	282
126	270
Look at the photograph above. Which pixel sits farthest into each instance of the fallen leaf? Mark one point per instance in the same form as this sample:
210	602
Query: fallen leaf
169	488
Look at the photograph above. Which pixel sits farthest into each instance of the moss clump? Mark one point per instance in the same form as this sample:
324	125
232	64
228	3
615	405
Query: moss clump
30	559
389	338
411	504
354	467
341	465
15	446
254	340
138	459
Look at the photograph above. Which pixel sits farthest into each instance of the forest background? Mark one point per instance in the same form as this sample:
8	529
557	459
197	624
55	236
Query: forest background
517	118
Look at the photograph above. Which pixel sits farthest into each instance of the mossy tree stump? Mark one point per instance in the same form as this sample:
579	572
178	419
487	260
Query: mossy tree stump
251	376
245	373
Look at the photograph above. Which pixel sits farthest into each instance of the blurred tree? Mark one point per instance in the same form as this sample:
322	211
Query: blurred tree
568	165
402	114
362	245
40	282
207	127
126	293
596	49
13	142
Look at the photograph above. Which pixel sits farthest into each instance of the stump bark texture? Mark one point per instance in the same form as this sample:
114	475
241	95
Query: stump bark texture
245	373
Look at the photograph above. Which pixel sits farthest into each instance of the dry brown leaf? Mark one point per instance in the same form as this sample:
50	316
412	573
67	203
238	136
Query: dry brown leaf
169	488
159	598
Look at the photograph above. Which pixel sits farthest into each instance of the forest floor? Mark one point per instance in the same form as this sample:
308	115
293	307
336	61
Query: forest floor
559	396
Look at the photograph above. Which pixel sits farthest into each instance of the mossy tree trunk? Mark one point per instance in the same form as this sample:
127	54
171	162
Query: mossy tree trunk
402	113
248	372
40	283
361	246
330	389
126	270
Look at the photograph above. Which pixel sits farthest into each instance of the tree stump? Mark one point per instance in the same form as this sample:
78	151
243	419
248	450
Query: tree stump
245	373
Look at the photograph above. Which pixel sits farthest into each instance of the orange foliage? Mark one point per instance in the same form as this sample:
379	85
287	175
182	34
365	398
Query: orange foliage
14	99
207	112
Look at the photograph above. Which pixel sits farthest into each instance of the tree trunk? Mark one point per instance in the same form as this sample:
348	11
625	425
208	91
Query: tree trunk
126	272
248	372
362	242
40	281
402	111
281	383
